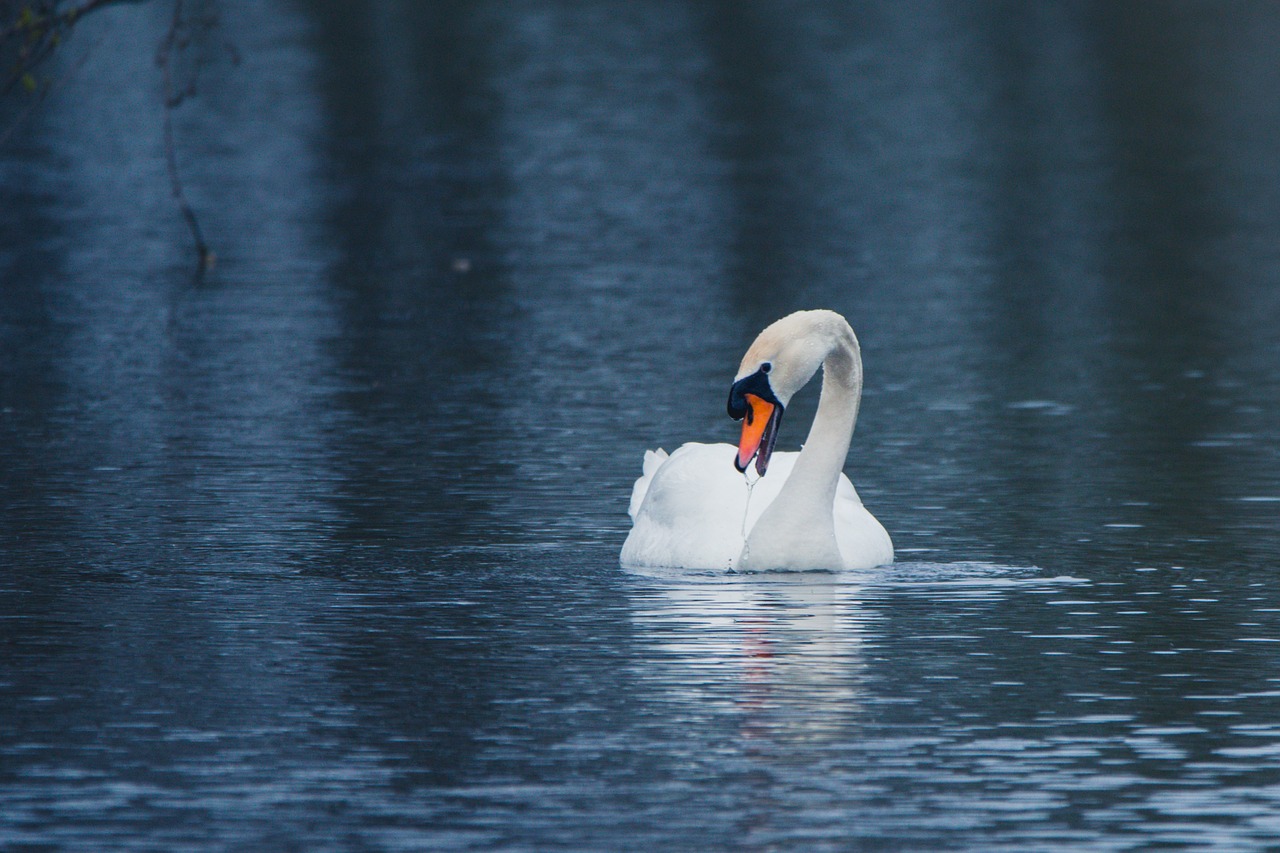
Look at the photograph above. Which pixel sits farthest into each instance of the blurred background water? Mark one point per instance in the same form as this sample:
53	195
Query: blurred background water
321	553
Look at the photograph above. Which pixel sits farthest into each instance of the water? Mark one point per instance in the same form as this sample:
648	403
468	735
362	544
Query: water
321	553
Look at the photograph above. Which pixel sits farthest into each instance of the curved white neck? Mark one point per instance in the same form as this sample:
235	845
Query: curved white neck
798	527
821	461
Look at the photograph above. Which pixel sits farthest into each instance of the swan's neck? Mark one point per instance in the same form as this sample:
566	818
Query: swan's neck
813	481
797	530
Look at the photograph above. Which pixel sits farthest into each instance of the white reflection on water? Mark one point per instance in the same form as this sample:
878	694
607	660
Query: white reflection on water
786	655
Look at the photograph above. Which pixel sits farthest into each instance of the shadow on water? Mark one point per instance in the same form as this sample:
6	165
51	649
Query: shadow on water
33	391
771	216
1175	304
1115	324
418	281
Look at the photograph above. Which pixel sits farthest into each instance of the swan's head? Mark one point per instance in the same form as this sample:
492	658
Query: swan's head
777	365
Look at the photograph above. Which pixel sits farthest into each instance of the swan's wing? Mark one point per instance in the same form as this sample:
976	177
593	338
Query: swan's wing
653	460
688	511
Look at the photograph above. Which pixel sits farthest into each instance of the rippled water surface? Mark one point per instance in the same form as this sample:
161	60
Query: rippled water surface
322	552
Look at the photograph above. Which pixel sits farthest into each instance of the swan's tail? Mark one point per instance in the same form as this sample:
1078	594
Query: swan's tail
653	460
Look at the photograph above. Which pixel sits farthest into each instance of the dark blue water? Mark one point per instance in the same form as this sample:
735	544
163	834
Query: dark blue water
321	552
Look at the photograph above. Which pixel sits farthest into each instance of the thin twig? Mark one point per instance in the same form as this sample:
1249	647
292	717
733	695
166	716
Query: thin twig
40	32
44	93
56	20
163	58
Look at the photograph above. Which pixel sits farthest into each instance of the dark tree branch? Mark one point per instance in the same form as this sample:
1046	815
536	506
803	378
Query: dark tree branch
175	37
31	30
36	16
39	96
34	29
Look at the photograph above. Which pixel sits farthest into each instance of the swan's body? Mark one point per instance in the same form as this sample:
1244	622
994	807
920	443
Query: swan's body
700	507
693	510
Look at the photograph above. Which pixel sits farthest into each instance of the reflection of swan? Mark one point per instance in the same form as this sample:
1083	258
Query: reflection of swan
788	651
690	510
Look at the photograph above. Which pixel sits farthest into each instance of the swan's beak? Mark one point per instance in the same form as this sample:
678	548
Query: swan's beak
759	433
752	401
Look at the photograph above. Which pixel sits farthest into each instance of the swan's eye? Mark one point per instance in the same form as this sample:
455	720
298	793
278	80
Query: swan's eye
766	367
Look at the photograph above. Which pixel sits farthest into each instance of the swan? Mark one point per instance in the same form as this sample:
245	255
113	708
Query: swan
697	509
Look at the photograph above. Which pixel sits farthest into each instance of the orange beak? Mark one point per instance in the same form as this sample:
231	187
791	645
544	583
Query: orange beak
759	431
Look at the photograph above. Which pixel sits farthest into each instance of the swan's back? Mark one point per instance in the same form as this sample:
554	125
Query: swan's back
862	539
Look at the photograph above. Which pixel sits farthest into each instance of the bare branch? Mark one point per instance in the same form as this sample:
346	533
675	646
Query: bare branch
35	29
31	30
44	92
164	57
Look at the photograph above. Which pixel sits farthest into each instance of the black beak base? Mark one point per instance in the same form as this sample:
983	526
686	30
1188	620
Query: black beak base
758	384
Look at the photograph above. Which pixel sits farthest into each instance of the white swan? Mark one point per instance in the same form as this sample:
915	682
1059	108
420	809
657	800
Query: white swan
693	510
